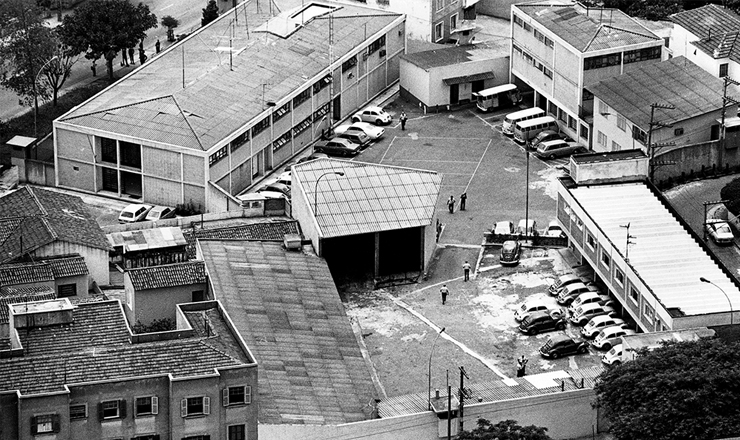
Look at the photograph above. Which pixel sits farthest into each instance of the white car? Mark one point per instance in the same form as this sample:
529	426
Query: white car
134	213
372	131
598	323
554	230
613	356
503	228
373	114
160	213
720	231
532	306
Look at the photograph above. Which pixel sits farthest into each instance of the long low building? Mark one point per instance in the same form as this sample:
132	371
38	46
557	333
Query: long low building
209	116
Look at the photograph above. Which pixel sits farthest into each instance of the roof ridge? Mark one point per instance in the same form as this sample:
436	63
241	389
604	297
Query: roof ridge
119	107
182	112
38	202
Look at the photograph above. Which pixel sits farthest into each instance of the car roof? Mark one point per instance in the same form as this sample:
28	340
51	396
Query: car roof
558	337
504	223
373	107
544	133
509	245
553	142
363	124
530	222
538	314
553	223
135	207
160	208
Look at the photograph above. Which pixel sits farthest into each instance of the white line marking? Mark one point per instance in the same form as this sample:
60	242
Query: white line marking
482	120
165	7
434	161
387	149
478	166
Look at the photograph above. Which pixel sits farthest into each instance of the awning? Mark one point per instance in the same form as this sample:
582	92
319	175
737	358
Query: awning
468	78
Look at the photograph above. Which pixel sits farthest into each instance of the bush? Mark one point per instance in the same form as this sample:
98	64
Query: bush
188	209
731	193
158	325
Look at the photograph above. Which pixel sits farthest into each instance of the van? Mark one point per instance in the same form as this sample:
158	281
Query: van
526	130
590	297
497	97
522	115
610	336
584	313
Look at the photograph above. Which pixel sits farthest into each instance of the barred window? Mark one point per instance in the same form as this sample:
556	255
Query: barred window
260	126
543	39
303	126
323	110
527	27
547	72
240	140
302	97
350	63
376	45
602	61
639	134
218	155
572	122
649	53
282	140
322	83
518	20
281	111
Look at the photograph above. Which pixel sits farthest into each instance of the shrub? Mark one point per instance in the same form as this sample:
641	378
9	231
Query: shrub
731	193
158	325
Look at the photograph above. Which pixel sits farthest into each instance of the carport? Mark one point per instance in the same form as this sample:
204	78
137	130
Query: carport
367	219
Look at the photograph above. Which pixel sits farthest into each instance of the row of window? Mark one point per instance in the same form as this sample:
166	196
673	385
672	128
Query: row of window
533	61
439	28
440	4
376	45
615	59
562	115
542	38
130	153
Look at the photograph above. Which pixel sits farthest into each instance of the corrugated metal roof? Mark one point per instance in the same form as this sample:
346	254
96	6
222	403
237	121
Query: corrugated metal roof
148	239
190	96
368	198
588	29
678	81
664	255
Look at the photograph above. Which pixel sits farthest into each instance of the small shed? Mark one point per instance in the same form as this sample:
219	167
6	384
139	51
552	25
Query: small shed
148	247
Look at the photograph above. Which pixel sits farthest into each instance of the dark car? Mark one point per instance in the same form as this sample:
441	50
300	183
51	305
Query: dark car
544	136
539	322
337	146
312	156
510	252
562	345
357	137
276	187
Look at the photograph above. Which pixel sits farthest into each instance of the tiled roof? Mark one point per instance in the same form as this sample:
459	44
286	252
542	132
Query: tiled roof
98	338
67	266
25	273
453	55
717	29
677	81
222	93
34	217
262	231
286	307
14	295
588	29
368	198
170	275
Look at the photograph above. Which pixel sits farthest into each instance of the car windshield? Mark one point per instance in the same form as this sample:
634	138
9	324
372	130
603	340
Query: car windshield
723	229
127	214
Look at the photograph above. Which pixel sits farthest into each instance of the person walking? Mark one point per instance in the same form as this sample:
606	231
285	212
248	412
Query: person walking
451	204
94	69
142	56
463	199
521	366
444	291
124	60
157	45
131	56
466	271
403	120
439	229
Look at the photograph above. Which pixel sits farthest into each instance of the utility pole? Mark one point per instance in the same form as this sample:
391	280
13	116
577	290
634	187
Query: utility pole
653	148
463	393
627	246
725	100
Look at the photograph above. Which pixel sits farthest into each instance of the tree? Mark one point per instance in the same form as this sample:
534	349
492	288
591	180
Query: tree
681	390
210	13
649	10
170	23
59	68
504	430
101	28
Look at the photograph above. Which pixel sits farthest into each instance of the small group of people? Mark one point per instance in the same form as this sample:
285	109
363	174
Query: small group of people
129	60
451	202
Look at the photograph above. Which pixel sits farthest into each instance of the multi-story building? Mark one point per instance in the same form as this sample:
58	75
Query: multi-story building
206	118
78	372
559	48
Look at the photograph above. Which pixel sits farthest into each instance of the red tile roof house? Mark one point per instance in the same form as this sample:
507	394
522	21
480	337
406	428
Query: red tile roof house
36	223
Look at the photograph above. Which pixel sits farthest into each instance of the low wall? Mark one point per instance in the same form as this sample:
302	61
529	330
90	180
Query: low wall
695	160
39	173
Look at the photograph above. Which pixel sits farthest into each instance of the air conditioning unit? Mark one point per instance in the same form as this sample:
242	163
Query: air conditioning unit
292	242
382	52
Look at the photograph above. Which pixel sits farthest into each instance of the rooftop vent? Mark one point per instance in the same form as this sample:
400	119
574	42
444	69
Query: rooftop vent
292	242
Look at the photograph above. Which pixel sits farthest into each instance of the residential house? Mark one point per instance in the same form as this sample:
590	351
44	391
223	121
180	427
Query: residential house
246	97
78	372
152	293
560	48
37	223
66	275
623	106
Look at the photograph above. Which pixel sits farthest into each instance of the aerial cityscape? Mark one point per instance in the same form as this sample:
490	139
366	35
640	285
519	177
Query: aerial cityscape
369	219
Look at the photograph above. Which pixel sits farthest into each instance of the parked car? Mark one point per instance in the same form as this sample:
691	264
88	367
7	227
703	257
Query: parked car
285	178
337	146
563	281
511	252
160	213
590	297
529	229
373	114
312	156
557	148
613	356
357	137
611	336
598	323
554	230
276	187
542	321
372	131
719	231
544	136
134	212
535	305
569	293
503	228
562	345
584	313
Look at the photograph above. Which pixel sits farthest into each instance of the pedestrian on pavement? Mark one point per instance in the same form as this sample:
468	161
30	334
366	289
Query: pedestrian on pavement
157	45
463	198
142	56
403	120
131	56
444	291
439	229
521	366
124	60
451	204
466	270
94	69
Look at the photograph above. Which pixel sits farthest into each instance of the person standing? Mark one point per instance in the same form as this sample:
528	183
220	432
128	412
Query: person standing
403	120
142	56
451	204
463	199
157	45
521	366
439	229
444	291
466	270
94	69
131	55
124	60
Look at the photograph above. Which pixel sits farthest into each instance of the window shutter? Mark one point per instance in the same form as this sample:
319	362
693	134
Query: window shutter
100	411
225	397
34	426
248	394
184	408
206	405
122	409
155	405
55	425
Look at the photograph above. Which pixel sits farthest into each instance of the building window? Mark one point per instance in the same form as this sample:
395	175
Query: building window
639	134
77	412
527	27
108	151
584	131
237	432
518	21
621	123
281	111
453	22
723	70
440	4
146	437
579	224
303	126
606	260
634	295
517	49
239	140
112	409
587	96
45	423
376	45
602	61
678	131
322	84
552	108
302	97
572	124
350	63
650	53
197	437
601	139
241	395
591	241
547	72
146	406
195	406
648	312
616	146
282	140
260	126
66	290
321	112
562	115
130	155
438	31
218	155
603	109
619	276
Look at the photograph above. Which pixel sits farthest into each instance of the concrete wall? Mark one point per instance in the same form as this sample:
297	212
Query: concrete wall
496	8
148	305
39	173
693	158
439	92
95	259
9	416
302	210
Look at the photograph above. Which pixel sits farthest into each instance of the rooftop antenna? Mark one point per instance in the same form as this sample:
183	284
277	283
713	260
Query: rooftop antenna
627	246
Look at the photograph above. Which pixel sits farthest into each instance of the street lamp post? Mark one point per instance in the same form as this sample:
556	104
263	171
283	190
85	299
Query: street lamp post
429	374
316	189
35	96
704	280
526	194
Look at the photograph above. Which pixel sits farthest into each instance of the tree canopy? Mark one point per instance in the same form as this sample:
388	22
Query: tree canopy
504	430
210	12
681	390
649	10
